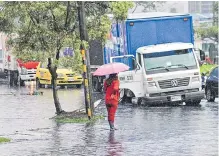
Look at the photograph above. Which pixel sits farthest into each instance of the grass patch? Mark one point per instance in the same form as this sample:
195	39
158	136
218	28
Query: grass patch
78	119
2	140
206	68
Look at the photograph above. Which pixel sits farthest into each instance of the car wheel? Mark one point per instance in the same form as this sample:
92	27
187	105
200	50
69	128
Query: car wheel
209	95
62	87
193	103
78	86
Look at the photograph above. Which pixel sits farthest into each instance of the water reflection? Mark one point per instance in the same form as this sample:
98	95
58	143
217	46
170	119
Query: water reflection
56	140
114	147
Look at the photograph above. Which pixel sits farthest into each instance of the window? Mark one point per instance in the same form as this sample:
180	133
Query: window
160	62
139	59
215	72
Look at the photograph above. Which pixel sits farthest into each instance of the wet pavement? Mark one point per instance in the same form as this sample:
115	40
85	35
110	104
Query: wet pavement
151	131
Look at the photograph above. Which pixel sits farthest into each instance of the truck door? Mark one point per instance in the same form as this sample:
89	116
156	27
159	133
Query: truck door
133	79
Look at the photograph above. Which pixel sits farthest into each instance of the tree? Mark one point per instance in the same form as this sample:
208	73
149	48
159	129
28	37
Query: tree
48	27
147	5
208	32
215	13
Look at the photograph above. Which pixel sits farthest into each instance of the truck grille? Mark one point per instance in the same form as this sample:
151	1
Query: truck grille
31	71
169	84
69	75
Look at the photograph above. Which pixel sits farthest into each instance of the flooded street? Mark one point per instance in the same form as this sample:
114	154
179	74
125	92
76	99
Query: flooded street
152	131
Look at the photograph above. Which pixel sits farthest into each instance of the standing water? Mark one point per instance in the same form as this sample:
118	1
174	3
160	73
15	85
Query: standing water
155	131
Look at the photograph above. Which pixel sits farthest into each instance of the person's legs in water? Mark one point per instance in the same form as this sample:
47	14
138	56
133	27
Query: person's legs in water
111	115
109	106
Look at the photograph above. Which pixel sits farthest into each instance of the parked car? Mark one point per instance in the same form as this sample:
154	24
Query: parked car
65	77
211	88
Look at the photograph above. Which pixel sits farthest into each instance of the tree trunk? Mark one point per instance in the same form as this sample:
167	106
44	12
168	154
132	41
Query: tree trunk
55	95
53	73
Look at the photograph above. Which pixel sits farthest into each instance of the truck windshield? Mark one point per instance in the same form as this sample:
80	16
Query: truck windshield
167	61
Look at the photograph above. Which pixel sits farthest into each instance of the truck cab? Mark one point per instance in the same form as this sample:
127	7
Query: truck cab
164	73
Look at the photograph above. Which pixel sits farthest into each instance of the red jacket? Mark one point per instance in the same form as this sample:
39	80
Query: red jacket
112	92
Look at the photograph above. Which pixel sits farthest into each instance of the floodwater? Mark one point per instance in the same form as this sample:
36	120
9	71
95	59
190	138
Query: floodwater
151	131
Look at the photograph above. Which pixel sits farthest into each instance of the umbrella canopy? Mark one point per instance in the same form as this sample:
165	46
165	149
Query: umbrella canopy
111	68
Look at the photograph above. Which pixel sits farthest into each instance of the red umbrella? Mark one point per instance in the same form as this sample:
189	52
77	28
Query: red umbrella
111	68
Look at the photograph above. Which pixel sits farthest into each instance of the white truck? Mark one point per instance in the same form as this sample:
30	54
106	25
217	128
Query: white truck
13	69
159	49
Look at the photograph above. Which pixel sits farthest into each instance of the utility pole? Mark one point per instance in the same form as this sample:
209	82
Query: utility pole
85	60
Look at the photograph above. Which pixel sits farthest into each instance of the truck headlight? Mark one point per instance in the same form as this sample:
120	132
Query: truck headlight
151	84
23	71
60	75
196	78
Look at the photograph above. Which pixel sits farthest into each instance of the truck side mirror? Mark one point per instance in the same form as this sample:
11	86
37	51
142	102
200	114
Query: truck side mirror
202	55
134	64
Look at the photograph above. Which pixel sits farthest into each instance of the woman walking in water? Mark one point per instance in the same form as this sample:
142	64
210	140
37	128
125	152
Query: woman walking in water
111	88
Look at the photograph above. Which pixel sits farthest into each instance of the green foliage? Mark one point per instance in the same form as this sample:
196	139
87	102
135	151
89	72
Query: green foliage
215	13
43	29
78	119
99	32
2	140
205	31
208	32
74	63
120	9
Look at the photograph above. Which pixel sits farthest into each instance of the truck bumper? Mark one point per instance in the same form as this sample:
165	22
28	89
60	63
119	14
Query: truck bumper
186	97
27	77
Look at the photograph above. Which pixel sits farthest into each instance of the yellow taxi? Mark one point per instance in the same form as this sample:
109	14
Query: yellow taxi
65	77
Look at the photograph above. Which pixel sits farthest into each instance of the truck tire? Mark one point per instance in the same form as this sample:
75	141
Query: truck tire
209	95
62	87
136	101
193	103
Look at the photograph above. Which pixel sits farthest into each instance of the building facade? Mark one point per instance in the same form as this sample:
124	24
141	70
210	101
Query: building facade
202	7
